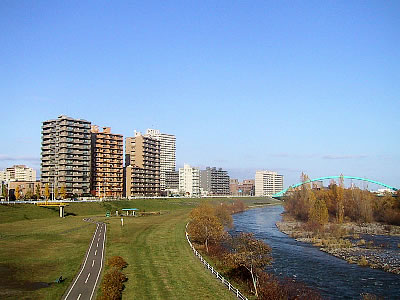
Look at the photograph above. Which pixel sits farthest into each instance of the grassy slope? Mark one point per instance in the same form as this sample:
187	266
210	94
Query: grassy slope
161	264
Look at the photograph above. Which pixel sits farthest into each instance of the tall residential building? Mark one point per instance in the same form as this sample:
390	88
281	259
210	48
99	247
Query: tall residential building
107	163
167	153
142	161
268	183
18	173
172	181
189	181
65	157
233	186
214	181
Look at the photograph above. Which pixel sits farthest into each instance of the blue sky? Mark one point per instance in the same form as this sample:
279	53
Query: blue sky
290	86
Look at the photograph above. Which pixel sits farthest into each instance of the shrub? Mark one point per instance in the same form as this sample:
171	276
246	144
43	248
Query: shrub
363	262
117	262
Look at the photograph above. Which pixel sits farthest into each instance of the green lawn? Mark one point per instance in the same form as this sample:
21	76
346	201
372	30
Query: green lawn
161	263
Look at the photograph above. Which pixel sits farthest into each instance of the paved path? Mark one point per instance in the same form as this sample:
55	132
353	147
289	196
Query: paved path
84	285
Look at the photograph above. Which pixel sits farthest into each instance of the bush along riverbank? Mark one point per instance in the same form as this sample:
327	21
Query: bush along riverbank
242	259
350	224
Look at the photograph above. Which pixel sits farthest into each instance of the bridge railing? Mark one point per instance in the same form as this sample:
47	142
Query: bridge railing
217	275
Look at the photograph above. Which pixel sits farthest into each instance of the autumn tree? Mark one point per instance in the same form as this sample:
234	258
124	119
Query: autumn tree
29	194
204	226
17	193
56	193
250	253
223	213
46	191
4	191
37	192
318	213
63	192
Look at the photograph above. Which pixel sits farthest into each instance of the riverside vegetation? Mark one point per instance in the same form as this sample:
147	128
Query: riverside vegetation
242	259
345	223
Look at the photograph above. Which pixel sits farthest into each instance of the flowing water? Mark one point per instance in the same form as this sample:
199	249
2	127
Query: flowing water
333	277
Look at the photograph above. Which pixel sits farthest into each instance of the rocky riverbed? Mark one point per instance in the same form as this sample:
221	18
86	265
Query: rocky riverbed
371	245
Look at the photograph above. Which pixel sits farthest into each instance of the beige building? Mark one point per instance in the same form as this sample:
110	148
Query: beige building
268	183
189	181
107	163
65	157
167	154
18	173
142	161
25	187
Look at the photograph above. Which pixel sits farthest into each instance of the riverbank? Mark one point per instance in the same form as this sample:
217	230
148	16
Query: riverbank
369	245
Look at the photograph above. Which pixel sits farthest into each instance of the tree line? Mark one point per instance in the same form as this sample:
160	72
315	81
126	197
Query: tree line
241	258
59	193
339	204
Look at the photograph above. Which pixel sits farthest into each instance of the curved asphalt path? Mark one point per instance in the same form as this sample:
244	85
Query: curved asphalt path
85	283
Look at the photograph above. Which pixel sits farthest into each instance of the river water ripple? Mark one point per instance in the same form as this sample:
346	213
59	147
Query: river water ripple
333	277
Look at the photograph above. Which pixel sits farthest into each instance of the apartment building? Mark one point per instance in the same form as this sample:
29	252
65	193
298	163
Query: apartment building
172	181
65	156
189	181
142	161
167	154
268	183
214	181
234	186
18	173
107	163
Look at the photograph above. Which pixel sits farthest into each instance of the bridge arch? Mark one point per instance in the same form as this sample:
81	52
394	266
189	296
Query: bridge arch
281	193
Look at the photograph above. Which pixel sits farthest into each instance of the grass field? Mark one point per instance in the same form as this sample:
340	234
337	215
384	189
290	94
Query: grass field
36	247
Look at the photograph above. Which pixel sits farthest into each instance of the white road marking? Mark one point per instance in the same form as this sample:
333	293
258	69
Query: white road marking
97	245
87	278
79	297
95	252
93	263
84	264
101	262
98	239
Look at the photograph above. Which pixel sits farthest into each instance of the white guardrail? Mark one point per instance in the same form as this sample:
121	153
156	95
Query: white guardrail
227	284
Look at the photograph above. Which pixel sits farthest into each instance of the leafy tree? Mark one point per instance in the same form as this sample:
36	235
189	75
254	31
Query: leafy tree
17	193
56	193
46	191
4	191
37	192
205	227
223	213
250	253
318	212
29	195
63	192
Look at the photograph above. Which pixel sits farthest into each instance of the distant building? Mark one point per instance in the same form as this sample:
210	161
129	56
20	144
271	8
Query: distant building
233	186
246	188
189	181
66	157
318	185
167	153
142	161
25	187
214	181
172	181
18	173
268	183
107	163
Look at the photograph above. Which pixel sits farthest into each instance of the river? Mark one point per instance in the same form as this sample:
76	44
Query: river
333	277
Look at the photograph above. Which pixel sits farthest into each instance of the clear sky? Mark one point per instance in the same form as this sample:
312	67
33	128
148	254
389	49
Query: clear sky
289	86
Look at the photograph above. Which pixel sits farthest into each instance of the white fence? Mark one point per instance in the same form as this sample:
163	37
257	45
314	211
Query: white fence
215	273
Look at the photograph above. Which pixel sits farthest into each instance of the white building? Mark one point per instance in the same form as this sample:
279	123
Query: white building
18	173
268	183
189	181
167	153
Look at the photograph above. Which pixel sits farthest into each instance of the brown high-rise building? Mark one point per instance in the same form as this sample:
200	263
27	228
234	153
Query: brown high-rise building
142	160
107	163
66	155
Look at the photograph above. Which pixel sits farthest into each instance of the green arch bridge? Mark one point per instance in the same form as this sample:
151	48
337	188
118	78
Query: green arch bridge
281	193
